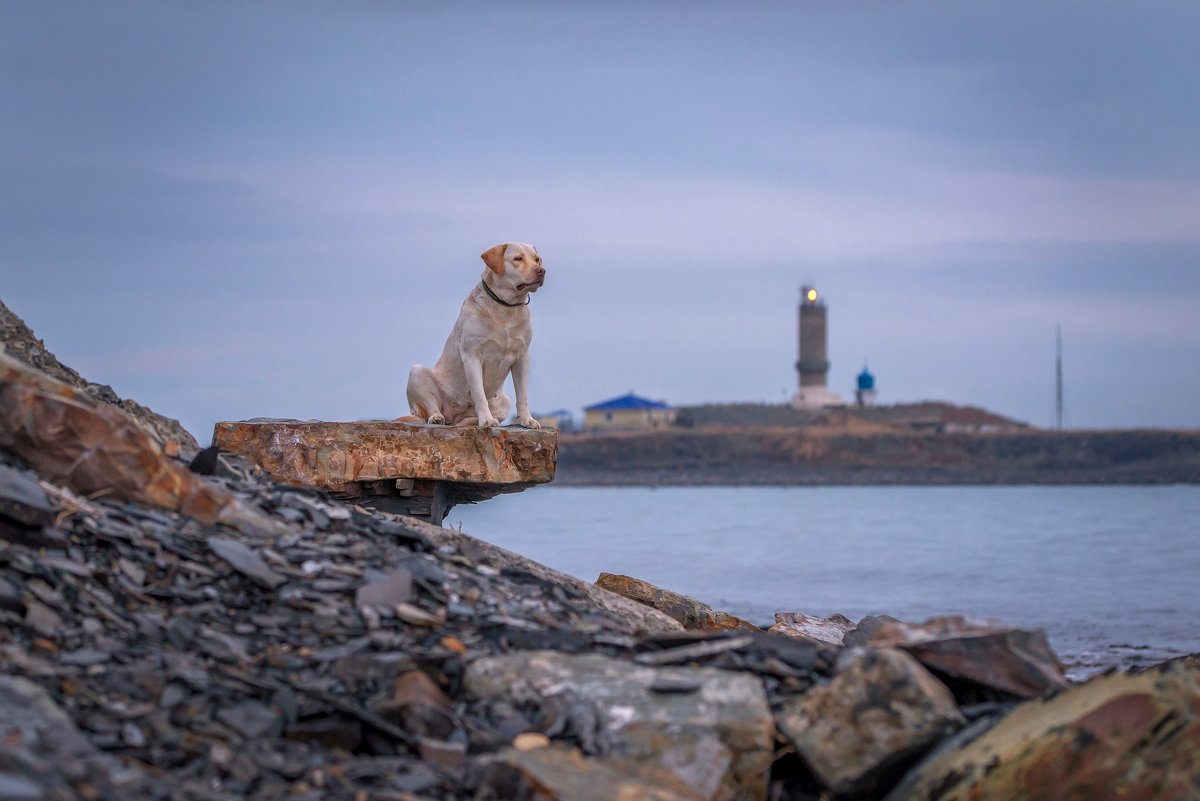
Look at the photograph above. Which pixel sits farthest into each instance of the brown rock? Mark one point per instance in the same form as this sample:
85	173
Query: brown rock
334	456
564	774
419	706
875	717
691	613
1015	662
1119	736
95	448
820	630
20	344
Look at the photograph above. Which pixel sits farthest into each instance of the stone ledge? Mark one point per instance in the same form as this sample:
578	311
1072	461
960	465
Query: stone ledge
397	466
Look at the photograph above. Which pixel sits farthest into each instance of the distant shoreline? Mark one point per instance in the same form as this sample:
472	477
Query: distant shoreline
824	457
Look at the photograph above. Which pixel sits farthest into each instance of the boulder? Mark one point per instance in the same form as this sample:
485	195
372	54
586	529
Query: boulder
692	614
558	773
1012	662
875	718
712	728
821	630
1128	736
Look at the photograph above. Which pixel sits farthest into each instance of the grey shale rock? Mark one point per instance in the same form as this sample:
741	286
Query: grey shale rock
386	591
717	738
877	715
245	561
642	618
22	499
41	749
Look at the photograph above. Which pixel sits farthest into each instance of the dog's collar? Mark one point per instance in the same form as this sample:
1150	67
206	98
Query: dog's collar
498	299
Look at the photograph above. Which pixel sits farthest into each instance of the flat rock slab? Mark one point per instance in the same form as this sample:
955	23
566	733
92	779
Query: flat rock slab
339	456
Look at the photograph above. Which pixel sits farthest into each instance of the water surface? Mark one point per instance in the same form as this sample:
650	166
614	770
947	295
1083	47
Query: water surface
1109	572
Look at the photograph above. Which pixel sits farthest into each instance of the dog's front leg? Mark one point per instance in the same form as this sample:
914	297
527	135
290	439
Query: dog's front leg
474	370
520	374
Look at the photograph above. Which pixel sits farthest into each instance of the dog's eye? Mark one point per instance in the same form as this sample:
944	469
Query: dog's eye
518	258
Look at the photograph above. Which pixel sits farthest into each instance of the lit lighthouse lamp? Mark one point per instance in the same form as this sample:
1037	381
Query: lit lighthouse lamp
812	367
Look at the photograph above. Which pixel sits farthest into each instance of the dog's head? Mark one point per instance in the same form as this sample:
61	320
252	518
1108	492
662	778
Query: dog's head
514	266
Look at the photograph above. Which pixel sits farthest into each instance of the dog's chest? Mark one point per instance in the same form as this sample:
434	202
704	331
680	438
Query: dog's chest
506	341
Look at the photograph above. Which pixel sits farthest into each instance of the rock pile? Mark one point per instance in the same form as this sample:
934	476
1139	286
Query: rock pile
309	649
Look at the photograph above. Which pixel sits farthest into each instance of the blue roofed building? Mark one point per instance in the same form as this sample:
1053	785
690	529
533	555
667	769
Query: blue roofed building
628	413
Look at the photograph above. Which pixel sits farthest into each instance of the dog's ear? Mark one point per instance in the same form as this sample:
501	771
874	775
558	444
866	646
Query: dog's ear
493	257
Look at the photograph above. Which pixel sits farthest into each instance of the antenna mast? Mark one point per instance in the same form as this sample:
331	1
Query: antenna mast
1058	389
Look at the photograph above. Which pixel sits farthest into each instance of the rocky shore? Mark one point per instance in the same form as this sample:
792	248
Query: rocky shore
177	626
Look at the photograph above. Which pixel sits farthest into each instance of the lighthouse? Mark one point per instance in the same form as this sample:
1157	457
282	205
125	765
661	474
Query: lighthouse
813	365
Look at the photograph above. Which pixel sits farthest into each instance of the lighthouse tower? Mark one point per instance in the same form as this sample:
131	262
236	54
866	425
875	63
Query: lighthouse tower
813	364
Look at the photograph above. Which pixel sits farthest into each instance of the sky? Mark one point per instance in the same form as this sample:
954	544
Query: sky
230	210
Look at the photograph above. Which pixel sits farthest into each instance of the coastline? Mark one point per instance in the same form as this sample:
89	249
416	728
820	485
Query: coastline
789	456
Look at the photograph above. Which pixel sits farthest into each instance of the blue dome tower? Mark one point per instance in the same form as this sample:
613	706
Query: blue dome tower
864	395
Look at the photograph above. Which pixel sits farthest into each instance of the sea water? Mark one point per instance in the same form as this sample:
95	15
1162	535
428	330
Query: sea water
1111	573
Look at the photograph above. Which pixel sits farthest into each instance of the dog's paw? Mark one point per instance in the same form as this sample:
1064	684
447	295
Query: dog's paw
436	419
487	421
529	422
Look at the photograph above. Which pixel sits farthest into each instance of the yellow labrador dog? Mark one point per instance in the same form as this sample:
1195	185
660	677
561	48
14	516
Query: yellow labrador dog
489	340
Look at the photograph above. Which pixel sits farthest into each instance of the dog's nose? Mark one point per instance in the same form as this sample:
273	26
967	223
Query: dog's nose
540	272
